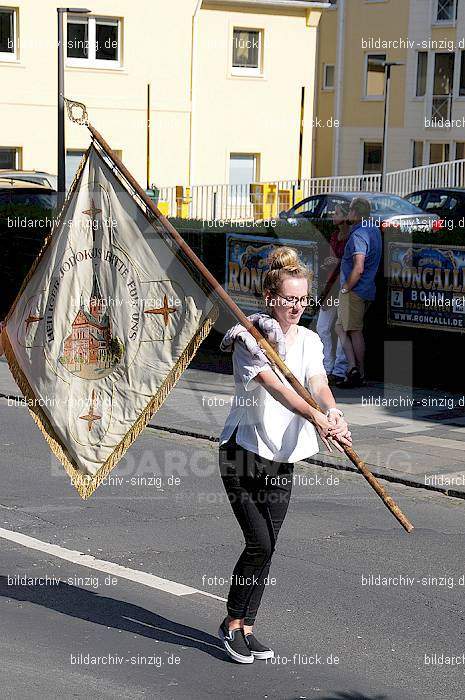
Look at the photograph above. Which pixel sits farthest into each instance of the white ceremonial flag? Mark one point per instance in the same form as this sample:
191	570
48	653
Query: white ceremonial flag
108	318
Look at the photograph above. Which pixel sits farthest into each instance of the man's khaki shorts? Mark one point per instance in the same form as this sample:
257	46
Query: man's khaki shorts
351	311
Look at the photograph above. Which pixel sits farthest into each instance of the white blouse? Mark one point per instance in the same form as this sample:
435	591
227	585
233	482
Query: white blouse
265	426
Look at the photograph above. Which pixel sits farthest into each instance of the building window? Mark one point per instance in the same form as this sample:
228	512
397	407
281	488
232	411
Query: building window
462	74
374	83
73	158
328	77
243	170
9	158
443	85
438	153
460	150
7	34
247	51
417	154
422	68
446	10
94	41
372	158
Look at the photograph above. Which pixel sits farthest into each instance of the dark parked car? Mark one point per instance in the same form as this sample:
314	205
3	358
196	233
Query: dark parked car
386	210
447	202
37	176
26	216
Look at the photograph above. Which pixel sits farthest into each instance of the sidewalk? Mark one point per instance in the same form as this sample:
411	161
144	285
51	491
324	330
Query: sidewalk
411	437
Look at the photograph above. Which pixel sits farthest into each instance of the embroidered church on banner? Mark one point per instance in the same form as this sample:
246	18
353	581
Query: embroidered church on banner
106	321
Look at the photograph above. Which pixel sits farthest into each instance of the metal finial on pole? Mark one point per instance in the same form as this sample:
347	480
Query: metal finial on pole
61	147
71	106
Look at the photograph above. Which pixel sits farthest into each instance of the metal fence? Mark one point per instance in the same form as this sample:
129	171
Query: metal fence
449	174
208	202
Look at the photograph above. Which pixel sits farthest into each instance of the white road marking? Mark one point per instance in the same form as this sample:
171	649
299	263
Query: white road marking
430	440
413	426
108	567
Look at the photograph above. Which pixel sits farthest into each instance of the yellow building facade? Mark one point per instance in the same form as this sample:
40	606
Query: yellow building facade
426	115
225	77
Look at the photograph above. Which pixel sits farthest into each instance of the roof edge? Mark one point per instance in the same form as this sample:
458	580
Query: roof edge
297	4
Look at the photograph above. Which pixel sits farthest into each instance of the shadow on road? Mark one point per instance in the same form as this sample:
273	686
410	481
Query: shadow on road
353	695
102	610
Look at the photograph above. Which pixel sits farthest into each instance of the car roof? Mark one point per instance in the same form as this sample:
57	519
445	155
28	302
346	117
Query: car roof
10	183
458	190
354	194
12	171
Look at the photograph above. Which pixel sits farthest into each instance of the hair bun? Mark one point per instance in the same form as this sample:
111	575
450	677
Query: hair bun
283	256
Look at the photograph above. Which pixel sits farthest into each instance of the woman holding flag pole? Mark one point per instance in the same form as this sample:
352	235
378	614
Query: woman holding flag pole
269	428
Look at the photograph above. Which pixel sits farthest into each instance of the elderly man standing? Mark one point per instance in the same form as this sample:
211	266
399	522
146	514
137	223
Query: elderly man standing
359	265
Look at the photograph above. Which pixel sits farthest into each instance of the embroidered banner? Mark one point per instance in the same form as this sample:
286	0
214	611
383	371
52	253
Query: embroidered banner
107	320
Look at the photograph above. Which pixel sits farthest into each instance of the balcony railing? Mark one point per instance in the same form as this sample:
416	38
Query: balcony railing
210	202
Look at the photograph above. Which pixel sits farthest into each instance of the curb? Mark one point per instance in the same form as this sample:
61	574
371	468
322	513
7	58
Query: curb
333	463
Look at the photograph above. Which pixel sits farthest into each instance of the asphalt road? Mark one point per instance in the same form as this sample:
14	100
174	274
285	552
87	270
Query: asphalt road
337	637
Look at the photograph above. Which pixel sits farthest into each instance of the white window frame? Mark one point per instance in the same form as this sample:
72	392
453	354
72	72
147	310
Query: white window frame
246	70
365	76
13	55
430	81
91	61
17	150
428	61
72	152
458	75
326	87
245	195
435	142
454	154
444	22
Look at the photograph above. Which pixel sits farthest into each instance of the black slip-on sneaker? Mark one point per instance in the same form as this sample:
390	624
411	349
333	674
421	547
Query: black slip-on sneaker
352	380
235	644
259	650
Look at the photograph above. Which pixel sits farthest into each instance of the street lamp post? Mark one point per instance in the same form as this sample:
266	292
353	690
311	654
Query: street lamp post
61	172
387	72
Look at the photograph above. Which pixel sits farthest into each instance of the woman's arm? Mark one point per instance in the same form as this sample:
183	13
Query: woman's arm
319	388
318	385
293	402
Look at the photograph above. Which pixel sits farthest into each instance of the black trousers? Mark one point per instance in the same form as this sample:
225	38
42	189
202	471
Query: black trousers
259	491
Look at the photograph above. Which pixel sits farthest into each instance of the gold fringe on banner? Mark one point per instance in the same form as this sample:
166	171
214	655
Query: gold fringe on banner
84	483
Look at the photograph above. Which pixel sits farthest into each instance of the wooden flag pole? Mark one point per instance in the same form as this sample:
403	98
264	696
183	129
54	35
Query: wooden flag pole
271	354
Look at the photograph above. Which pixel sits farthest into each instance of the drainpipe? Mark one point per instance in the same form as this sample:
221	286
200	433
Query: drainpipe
316	82
193	76
338	87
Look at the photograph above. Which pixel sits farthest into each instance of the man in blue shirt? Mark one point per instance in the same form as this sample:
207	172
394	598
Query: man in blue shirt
359	265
